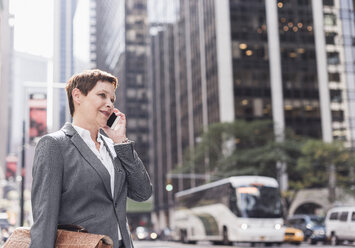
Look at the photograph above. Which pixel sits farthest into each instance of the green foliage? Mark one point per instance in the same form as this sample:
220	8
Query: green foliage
317	156
249	148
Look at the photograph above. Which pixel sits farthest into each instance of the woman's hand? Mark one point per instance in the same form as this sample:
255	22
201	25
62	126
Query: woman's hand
118	133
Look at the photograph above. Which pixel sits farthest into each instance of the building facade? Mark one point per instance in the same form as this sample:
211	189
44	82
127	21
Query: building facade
121	49
63	57
347	41
121	37
214	65
84	32
5	81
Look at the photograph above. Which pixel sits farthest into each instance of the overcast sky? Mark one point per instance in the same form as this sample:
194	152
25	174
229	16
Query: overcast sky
33	26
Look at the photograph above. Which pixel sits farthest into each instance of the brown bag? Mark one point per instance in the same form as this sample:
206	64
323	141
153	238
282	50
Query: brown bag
68	236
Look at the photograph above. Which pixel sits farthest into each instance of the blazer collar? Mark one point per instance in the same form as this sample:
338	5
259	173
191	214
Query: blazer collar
68	129
88	155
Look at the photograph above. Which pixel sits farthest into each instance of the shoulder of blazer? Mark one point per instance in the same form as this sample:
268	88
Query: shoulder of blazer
68	129
57	137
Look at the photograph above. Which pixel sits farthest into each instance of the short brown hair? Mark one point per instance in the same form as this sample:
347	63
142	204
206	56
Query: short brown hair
86	81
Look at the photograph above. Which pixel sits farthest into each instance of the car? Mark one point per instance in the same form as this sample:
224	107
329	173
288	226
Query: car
293	235
4	222
144	233
313	227
340	224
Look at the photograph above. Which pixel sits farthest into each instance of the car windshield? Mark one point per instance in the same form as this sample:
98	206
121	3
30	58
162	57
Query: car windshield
317	221
258	202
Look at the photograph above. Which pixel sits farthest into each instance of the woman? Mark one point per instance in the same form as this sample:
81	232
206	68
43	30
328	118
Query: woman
82	177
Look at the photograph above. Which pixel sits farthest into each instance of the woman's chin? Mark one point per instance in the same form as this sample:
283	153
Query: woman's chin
102	124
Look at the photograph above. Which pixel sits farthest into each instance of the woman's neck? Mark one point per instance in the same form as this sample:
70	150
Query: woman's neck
91	128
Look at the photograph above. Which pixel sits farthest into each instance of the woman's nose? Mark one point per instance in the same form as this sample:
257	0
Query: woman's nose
109	104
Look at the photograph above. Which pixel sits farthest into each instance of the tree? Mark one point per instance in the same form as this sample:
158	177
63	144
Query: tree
253	150
314	164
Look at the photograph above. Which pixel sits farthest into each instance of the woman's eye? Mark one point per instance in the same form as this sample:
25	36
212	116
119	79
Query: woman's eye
102	95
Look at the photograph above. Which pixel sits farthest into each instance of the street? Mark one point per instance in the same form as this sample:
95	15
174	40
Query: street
165	244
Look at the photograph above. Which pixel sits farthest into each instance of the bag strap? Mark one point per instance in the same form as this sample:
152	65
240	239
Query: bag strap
72	228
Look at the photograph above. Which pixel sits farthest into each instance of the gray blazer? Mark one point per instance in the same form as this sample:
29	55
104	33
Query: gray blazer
71	186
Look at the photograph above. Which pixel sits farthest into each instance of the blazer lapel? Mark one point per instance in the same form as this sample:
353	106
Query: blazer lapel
119	173
89	156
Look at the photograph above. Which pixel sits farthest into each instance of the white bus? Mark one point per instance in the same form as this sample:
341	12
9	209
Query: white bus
235	209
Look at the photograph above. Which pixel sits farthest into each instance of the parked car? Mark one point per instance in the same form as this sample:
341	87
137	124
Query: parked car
313	227
144	233
4	222
340	224
293	235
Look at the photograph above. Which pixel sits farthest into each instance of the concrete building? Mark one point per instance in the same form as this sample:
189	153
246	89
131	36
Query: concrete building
231	59
30	73
347	27
5	80
63	57
84	32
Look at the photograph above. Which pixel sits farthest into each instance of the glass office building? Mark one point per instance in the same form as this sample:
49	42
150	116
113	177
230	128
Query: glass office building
213	65
121	49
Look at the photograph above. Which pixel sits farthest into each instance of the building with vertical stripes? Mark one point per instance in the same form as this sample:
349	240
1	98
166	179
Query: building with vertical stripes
63	57
289	61
121	49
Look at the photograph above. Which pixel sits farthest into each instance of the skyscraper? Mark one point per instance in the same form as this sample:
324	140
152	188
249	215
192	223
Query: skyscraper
121	49
5	62
84	31
214	65
63	56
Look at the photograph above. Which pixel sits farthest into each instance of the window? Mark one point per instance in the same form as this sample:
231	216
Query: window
333	58
328	2
335	96
333	216
338	115
330	19
353	216
343	216
330	38
334	76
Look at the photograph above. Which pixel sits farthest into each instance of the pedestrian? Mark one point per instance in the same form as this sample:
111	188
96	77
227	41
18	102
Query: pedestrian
82	177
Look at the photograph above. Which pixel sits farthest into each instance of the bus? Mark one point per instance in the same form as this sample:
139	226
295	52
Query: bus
234	209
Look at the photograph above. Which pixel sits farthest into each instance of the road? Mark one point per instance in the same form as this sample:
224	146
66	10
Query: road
164	244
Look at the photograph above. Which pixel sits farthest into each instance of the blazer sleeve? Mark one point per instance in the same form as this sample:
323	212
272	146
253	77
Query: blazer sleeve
138	181
47	173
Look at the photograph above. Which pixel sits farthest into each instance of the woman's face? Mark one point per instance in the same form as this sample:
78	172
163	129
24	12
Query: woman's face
97	106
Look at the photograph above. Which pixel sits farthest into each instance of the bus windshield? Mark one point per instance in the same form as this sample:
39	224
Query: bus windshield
258	202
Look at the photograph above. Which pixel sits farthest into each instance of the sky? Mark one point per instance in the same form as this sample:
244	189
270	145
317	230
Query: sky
33	26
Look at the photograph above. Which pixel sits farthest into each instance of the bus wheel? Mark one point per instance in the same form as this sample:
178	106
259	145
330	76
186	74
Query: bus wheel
225	236
183	238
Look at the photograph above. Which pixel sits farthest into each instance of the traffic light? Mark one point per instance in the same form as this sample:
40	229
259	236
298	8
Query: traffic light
169	186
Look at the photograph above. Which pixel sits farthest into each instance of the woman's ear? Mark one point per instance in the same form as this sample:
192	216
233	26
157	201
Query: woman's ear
76	94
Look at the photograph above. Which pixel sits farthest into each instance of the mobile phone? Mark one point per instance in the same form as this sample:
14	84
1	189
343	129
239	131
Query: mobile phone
113	120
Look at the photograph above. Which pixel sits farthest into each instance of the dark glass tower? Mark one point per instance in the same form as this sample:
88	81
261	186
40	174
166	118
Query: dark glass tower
121	34
216	57
121	49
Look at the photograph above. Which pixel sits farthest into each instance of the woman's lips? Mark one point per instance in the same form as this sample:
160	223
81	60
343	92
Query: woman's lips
107	113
